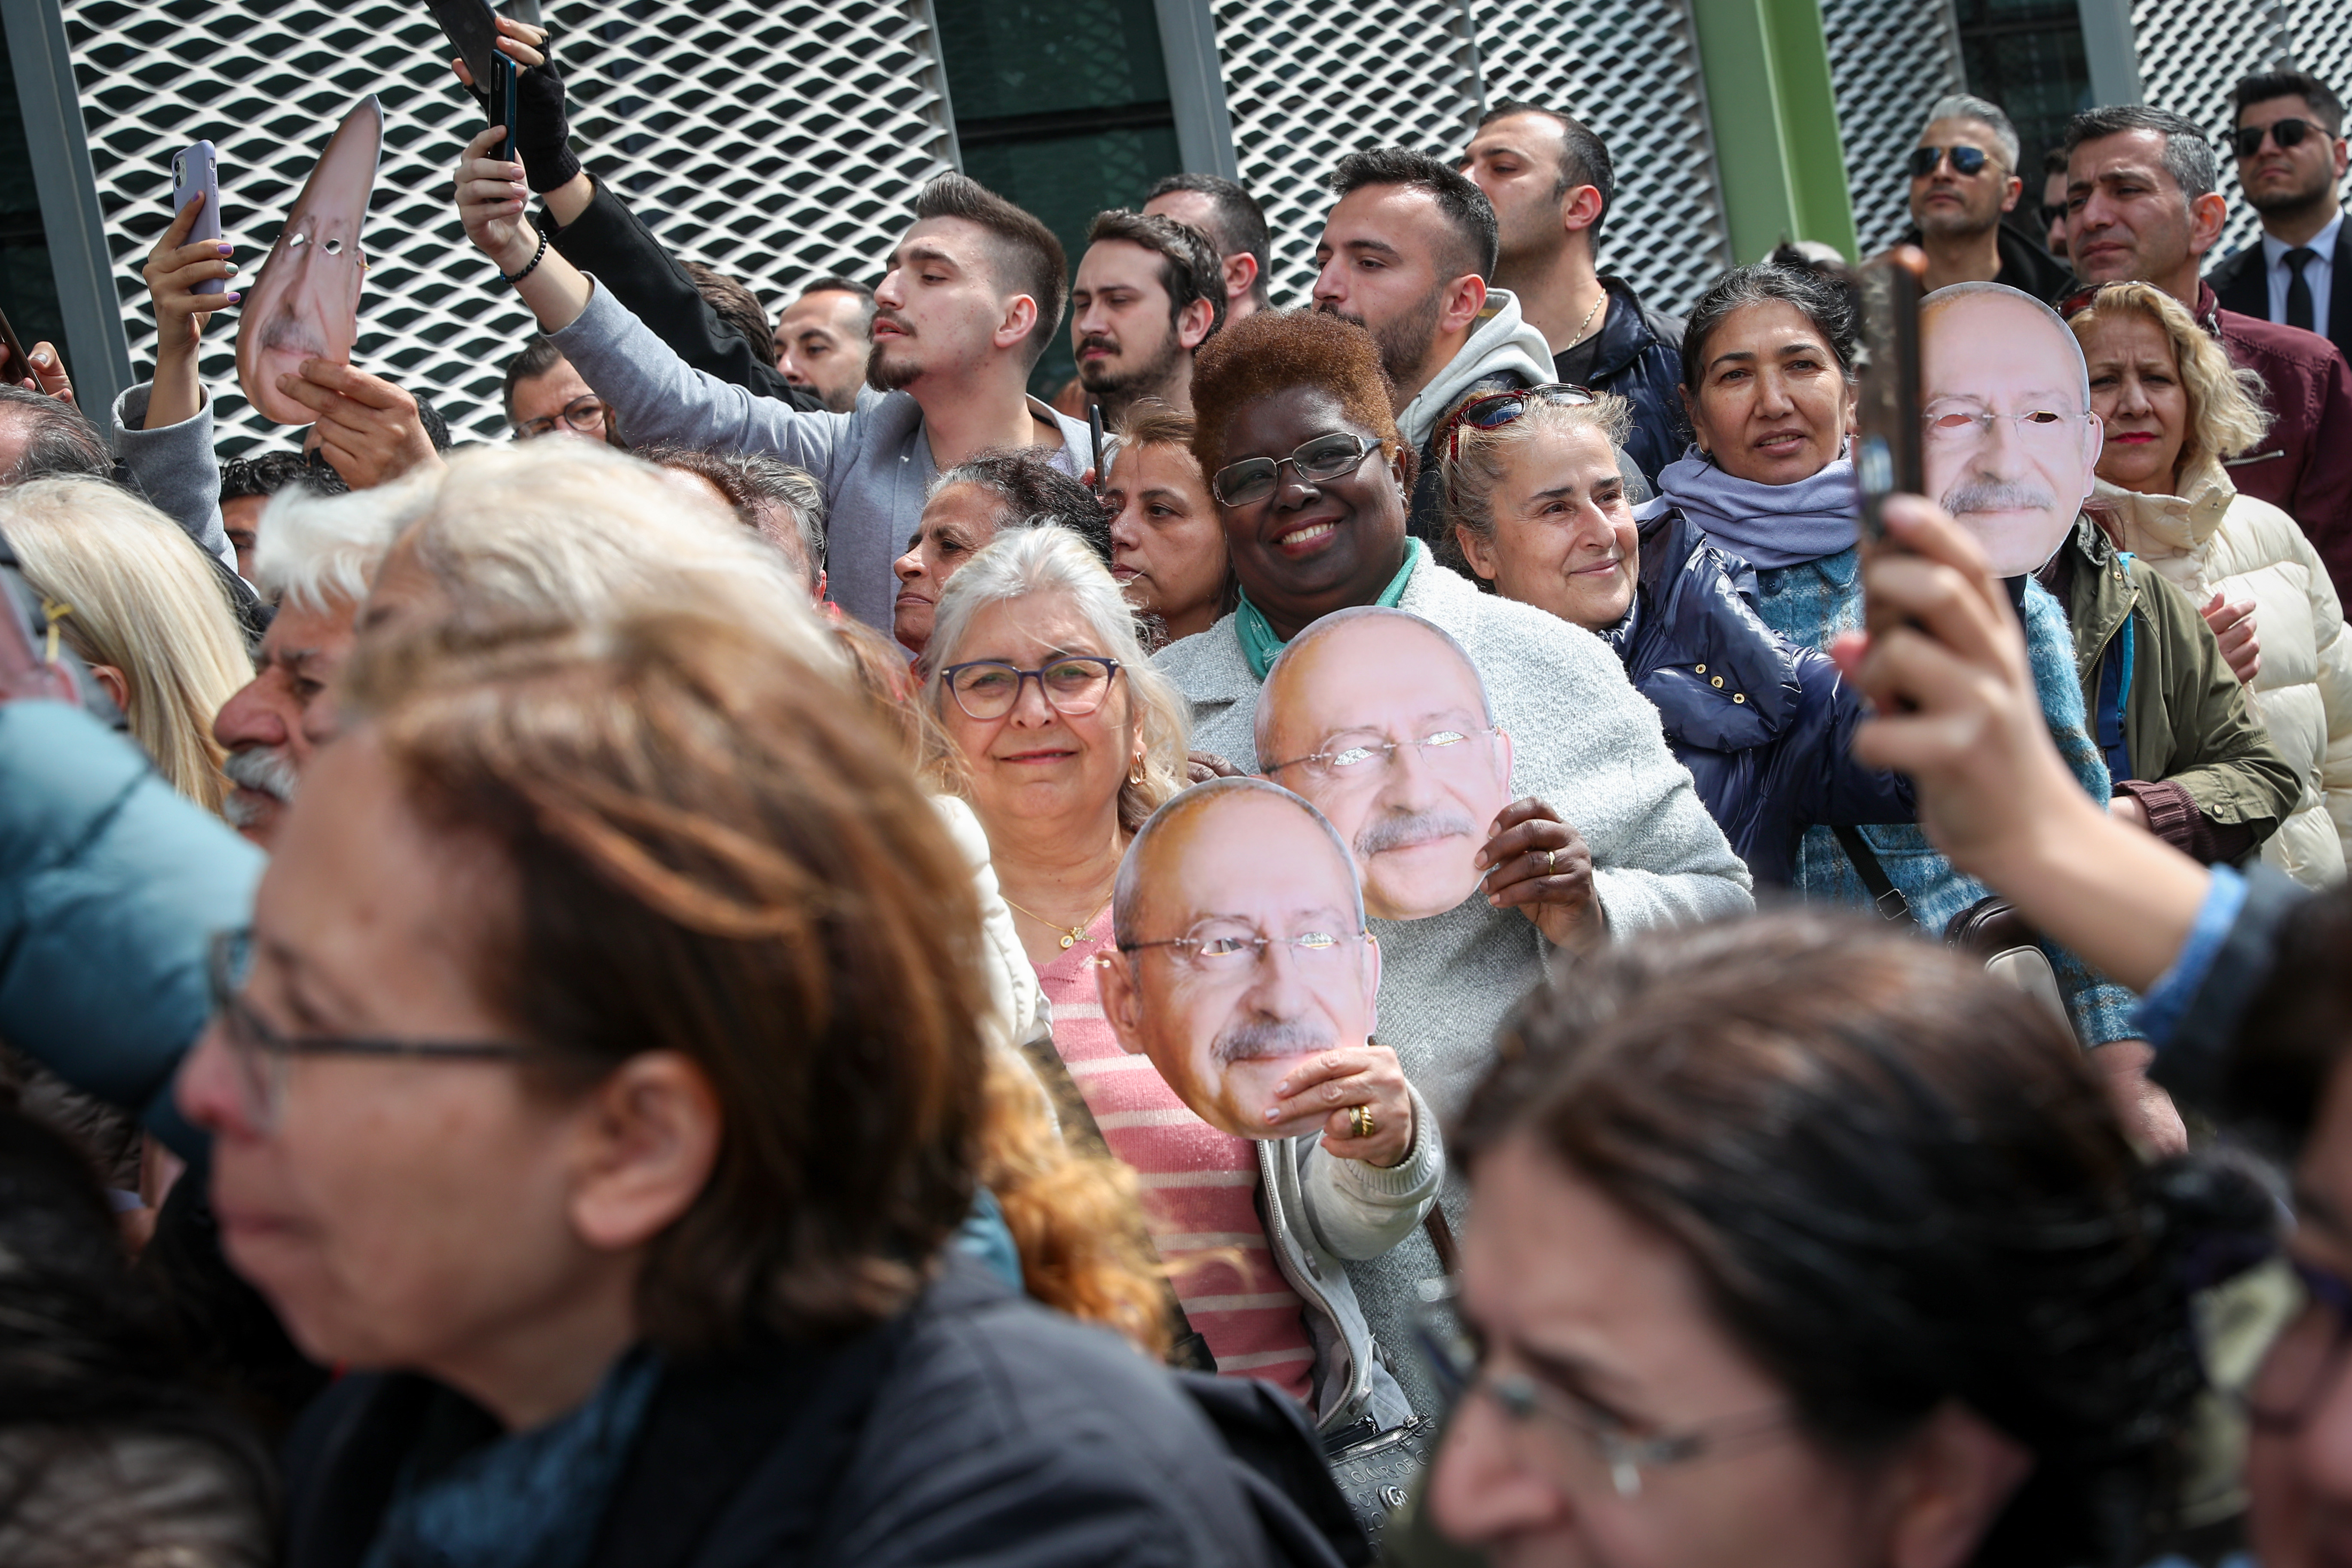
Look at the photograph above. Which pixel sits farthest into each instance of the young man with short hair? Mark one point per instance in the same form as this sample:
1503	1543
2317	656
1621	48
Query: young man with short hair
1551	184
975	291
2288	136
1405	254
825	337
2141	204
1150	291
1234	224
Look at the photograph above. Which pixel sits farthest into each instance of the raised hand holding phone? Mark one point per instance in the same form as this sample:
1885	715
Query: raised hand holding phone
1888	457
187	274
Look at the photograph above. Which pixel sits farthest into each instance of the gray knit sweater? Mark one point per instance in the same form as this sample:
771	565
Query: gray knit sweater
1584	742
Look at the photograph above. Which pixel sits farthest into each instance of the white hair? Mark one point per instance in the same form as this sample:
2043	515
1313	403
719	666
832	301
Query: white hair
1032	563
317	551
575	533
1968	106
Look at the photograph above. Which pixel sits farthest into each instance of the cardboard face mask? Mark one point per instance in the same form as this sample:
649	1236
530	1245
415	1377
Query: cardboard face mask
306	302
1381	720
2010	440
1248	953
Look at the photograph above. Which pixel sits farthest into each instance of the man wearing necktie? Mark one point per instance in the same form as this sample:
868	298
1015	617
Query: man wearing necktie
2291	163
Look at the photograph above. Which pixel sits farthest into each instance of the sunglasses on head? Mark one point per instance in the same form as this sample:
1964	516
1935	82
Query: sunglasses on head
1497	409
1965	160
2248	139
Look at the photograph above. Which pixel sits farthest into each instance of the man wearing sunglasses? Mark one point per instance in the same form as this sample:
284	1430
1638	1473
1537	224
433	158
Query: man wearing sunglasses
2143	203
2292	160
1964	186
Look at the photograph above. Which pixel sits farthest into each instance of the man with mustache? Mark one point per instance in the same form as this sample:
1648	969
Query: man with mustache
1150	291
1406	253
316	557
1245	973
1379	720
2010	442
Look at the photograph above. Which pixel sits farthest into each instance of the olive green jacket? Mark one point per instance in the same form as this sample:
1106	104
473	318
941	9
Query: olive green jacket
2186	719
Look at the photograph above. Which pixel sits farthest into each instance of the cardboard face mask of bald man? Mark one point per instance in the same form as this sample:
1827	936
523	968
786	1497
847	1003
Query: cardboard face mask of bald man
306	302
1243	965
2010	439
1381	720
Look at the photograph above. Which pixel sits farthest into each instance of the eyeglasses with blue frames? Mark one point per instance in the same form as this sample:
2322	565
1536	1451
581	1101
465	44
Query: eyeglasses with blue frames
1074	684
1578	1444
260	1052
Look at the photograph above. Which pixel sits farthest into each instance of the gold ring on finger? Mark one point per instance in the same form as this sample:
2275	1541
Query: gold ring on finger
1359	1117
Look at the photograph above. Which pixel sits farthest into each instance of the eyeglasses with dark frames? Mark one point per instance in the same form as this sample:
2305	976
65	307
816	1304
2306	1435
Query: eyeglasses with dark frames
1074	684
1601	1448
1967	162
260	1052
2247	140
1252	480
1493	410
584	414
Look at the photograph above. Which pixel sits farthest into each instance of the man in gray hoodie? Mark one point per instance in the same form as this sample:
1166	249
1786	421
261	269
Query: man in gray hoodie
974	293
1406	254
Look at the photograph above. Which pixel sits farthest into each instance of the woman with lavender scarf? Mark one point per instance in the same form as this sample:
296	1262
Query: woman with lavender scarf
1768	378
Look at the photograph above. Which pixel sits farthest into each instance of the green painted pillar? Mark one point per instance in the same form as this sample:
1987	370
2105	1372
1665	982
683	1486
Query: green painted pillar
1767	66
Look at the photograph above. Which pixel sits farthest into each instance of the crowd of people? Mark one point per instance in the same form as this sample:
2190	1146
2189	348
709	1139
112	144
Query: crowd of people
1376	933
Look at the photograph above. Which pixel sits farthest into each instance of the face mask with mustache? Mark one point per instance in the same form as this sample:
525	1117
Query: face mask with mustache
1997	494
1404	832
1253	1039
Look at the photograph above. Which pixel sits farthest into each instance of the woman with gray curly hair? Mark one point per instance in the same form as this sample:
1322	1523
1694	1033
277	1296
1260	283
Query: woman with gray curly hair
2176	412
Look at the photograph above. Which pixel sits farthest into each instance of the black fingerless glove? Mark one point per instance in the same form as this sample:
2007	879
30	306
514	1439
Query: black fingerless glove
543	135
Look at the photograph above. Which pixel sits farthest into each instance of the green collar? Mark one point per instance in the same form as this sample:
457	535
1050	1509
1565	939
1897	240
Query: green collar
1261	646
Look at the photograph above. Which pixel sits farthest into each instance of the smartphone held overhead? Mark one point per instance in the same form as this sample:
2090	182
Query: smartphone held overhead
1888	458
195	171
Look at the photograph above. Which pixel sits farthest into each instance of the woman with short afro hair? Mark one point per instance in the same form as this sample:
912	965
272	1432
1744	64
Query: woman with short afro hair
1310	483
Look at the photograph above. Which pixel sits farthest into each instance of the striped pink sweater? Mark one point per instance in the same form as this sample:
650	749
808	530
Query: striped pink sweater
1200	1186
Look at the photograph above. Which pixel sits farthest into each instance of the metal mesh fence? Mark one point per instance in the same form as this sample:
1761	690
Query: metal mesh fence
774	143
1890	60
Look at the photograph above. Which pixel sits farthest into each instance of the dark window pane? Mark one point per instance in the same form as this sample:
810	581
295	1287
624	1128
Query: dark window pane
1011	58
2027	57
28	289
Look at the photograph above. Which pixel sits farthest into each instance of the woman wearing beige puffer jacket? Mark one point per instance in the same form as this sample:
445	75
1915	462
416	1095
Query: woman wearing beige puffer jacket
2175	411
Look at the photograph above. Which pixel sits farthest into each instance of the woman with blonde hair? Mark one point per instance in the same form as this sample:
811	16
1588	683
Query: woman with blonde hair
126	591
2176	412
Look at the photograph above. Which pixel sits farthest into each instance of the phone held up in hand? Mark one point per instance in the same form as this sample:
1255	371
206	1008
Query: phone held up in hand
1887	459
502	103
194	170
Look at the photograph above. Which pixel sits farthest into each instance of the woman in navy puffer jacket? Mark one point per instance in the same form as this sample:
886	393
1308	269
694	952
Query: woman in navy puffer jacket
1539	513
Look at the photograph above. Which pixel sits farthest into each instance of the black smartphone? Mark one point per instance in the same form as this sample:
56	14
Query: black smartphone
15	365
1887	458
1095	424
502	101
472	29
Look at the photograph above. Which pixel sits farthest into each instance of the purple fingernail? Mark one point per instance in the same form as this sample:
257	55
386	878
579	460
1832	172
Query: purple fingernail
226	250
234	298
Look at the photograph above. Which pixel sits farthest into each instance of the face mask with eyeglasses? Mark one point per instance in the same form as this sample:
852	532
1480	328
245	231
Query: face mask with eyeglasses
1223	950
1325	457
584	414
1955	426
2248	139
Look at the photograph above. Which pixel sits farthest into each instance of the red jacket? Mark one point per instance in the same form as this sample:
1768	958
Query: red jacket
2304	465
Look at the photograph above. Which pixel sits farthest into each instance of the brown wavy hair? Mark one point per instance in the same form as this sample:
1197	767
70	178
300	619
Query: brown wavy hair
714	854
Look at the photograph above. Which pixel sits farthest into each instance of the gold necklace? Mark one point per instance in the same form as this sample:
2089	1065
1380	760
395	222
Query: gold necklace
1071	936
1587	319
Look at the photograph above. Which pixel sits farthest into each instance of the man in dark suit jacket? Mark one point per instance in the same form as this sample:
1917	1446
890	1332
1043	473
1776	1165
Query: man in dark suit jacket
2291	162
2142	203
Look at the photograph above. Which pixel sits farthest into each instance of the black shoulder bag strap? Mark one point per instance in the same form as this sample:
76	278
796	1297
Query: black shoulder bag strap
1186	1348
1888	898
